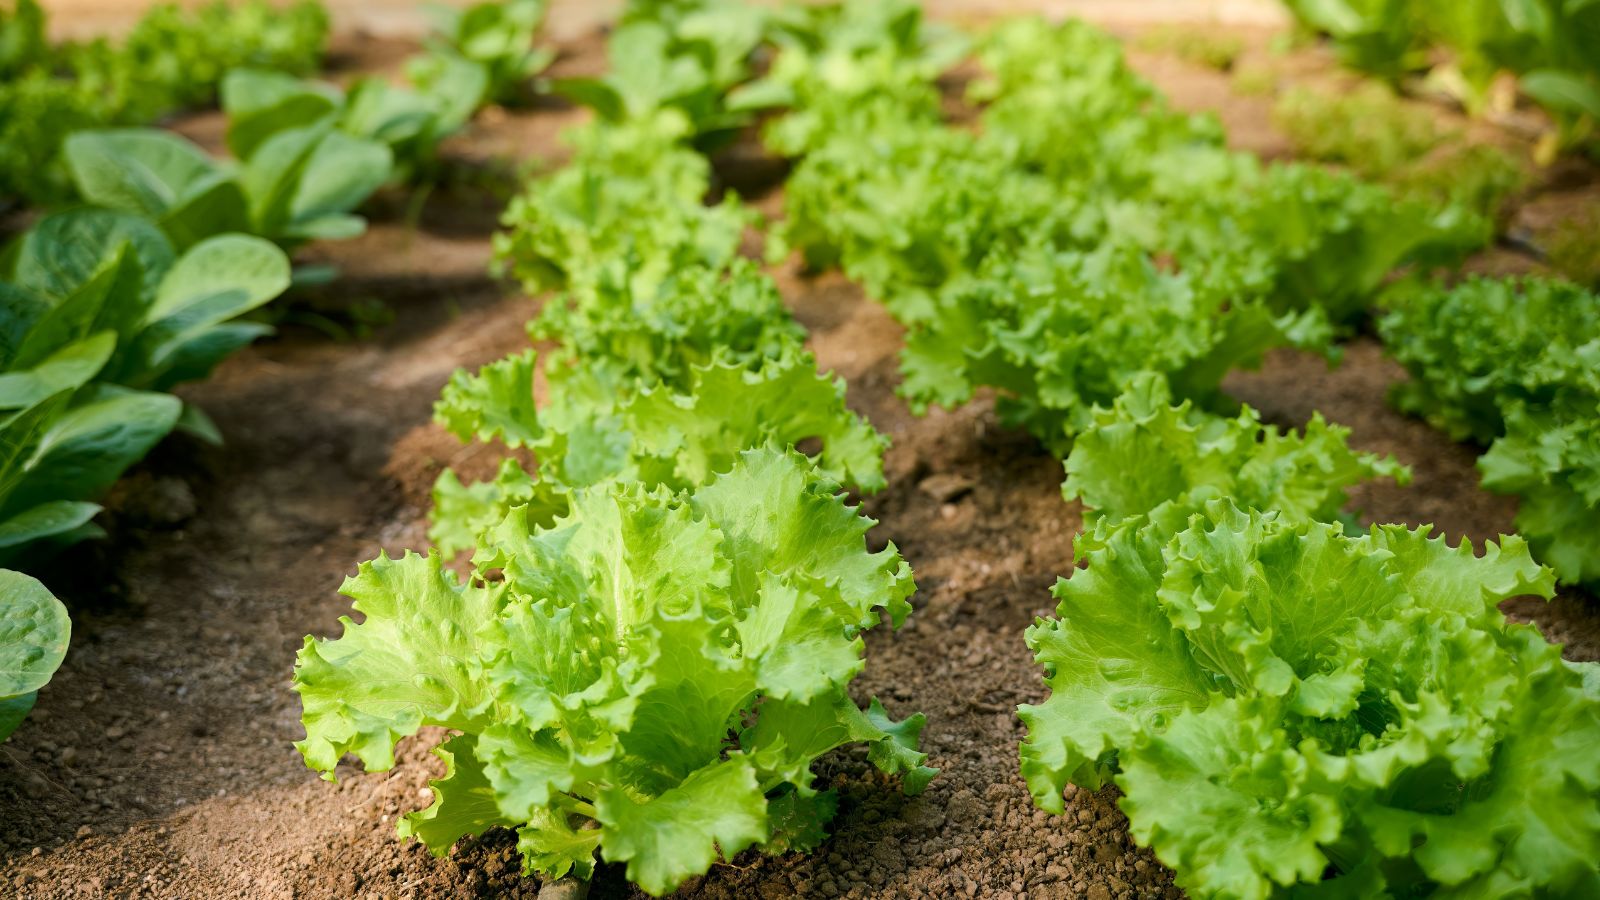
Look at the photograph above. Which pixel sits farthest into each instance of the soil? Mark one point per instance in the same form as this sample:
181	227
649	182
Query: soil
159	762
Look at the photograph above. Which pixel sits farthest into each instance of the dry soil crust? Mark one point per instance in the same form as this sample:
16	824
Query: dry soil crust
159	761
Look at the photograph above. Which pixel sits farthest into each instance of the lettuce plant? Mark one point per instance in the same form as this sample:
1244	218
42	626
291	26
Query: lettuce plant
1551	461
619	337
1144	452
631	200
681	58
650	434
910	206
1330	241
263	106
34	630
849	68
1479	348
300	185
663	387
1515	364
1058	333
649	680
1289	709
102	317
495	37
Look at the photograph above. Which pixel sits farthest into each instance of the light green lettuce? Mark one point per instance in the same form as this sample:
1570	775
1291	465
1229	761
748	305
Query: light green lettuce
630	203
1551	462
681	57
849	69
495	36
1144	452
1292	711
1481	347
649	680
654	435
1058	333
620	337
1515	364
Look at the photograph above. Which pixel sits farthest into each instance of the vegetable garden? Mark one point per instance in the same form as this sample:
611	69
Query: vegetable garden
795	449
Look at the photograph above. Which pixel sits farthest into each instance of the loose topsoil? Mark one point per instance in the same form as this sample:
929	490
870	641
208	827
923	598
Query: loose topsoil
159	762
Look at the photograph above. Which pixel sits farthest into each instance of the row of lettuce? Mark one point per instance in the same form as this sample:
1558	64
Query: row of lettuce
1084	233
160	270
1287	703
175	60
660	624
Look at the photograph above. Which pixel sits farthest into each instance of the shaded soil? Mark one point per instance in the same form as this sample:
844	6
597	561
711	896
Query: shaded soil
159	762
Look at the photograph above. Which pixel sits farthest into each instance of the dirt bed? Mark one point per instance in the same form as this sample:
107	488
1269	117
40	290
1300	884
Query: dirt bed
159	762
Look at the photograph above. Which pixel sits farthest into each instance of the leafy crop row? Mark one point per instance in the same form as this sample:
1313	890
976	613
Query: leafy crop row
104	309
100	316
172	59
1514	365
104	316
661	620
1286	703
1085	233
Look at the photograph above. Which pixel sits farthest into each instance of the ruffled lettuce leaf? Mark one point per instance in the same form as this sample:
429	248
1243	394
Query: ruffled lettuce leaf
647	676
1060	333
654	435
1143	452
1551	460
1285	706
1485	347
415	659
1515	364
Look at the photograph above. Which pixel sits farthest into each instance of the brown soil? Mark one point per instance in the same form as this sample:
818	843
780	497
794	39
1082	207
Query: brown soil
159	761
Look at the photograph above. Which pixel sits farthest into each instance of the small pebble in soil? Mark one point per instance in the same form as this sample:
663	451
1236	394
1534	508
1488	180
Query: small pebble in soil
946	487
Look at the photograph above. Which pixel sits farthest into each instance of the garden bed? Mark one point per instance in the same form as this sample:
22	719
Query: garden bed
159	762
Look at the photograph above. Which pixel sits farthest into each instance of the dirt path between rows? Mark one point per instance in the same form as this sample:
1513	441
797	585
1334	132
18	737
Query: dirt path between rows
159	762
